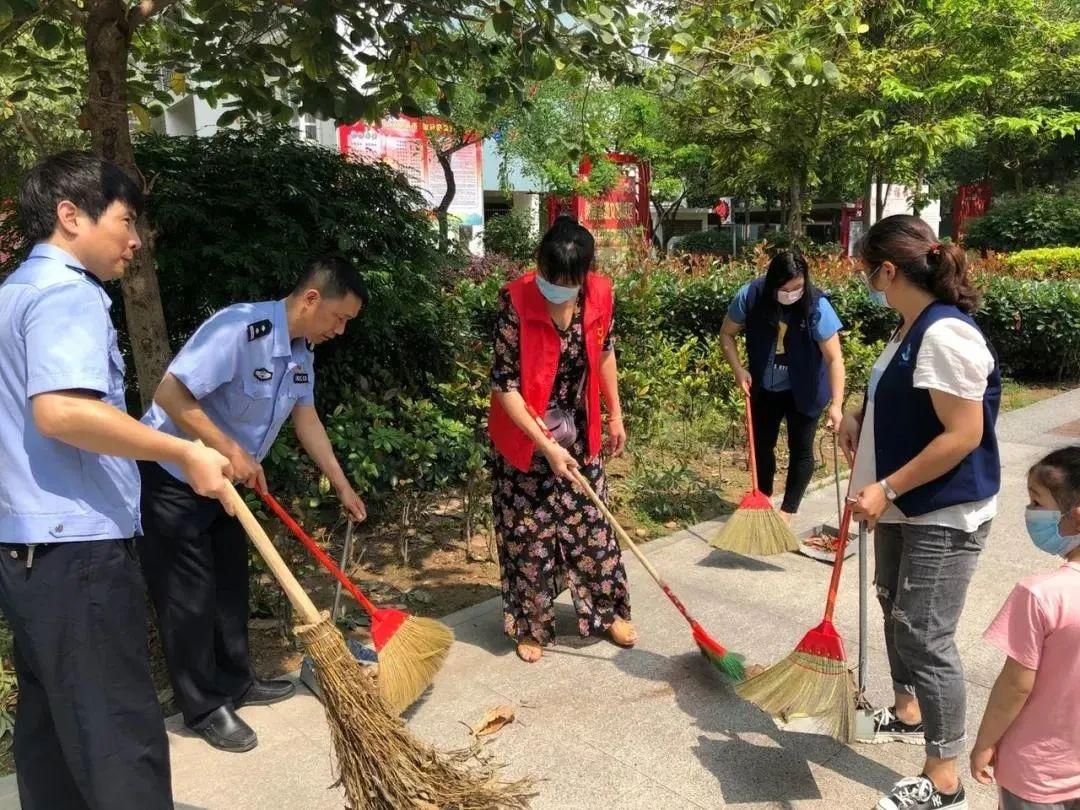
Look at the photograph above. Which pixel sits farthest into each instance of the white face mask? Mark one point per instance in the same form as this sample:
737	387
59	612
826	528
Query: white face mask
789	297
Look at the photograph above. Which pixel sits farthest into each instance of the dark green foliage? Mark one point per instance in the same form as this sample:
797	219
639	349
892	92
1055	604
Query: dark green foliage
1038	219
508	235
238	214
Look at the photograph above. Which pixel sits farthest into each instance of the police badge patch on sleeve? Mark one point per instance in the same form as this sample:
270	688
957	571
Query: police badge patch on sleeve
259	329
301	378
263	374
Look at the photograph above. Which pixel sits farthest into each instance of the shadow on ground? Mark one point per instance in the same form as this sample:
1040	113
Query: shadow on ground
753	761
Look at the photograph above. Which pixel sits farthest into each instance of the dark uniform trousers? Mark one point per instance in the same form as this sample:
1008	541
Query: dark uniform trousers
89	732
195	561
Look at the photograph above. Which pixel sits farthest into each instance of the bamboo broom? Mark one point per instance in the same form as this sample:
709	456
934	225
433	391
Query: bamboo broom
411	649
755	528
381	765
729	664
813	680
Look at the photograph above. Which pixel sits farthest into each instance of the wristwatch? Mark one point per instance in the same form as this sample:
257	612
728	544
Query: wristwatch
890	493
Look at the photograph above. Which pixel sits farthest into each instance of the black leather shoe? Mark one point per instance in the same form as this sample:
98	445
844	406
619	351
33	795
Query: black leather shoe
263	693
224	729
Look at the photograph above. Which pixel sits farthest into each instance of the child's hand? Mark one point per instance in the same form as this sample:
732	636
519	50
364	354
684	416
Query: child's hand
982	764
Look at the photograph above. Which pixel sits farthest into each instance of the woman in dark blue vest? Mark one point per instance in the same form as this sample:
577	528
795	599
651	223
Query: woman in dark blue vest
796	368
927	474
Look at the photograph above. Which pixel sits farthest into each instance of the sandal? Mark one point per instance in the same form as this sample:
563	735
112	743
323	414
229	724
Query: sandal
626	636
529	650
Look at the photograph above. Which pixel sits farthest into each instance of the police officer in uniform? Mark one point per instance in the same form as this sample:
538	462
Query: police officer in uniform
233	385
88	731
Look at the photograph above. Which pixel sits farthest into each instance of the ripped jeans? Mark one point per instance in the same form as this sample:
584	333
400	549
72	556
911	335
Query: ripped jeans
922	575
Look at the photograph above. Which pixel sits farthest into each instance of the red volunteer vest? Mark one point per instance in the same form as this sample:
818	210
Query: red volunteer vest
540	349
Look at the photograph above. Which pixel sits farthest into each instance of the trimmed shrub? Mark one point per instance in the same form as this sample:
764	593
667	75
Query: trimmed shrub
1035	220
1043	263
713	242
509	235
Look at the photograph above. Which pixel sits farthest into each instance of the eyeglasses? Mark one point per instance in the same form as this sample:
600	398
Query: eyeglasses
867	276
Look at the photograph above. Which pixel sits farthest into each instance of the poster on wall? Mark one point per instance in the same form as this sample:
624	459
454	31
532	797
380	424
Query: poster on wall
403	143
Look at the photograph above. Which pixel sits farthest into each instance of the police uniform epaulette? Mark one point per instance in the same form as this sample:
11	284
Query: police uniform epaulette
259	329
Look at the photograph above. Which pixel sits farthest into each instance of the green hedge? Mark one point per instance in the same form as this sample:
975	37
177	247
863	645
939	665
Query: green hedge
1043	263
1038	219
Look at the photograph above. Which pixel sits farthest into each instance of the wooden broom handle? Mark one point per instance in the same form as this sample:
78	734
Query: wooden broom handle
583	483
309	614
750	441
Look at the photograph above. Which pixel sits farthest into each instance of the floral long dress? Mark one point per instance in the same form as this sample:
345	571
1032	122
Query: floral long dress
548	532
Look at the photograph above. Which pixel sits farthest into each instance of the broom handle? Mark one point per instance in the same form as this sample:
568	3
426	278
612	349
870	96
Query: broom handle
750	440
583	483
841	544
836	473
838	562
317	552
309	614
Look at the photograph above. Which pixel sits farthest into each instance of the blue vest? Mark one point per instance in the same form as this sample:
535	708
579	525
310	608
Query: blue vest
905	423
806	365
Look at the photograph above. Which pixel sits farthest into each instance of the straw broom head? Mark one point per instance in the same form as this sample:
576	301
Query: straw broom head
812	681
755	529
382	766
411	652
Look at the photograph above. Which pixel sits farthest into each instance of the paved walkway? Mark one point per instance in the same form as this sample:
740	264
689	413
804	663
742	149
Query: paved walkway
652	728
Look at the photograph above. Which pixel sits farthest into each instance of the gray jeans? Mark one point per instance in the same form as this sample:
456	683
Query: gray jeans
1011	802
922	575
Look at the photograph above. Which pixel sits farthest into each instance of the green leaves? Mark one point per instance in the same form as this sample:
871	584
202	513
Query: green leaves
47	35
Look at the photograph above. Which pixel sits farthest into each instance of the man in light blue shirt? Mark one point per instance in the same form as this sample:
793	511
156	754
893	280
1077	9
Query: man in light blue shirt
243	373
88	728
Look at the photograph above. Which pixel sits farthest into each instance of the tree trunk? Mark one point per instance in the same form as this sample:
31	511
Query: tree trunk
658	226
795	217
883	190
442	212
746	219
868	198
917	200
108	38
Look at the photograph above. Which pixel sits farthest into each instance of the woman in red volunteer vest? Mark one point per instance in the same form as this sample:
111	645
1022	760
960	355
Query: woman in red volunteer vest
554	360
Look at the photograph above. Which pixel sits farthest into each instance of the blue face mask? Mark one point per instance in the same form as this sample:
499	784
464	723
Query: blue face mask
1042	526
876	296
555	293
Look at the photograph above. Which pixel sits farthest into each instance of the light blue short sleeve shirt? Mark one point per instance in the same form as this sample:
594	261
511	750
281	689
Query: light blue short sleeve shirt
56	334
247	374
823	326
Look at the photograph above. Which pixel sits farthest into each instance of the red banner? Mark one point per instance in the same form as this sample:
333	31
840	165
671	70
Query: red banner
617	218
972	201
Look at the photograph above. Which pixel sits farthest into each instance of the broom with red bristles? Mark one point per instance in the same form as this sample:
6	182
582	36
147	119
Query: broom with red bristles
755	528
411	649
813	681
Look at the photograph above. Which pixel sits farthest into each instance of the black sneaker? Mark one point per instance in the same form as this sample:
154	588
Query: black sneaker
919	793
889	728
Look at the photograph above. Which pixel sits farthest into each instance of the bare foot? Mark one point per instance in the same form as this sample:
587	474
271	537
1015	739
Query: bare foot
753	670
529	650
623	633
785	516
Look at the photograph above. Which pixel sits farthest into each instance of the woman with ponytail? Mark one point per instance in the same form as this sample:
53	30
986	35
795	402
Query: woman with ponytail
927	474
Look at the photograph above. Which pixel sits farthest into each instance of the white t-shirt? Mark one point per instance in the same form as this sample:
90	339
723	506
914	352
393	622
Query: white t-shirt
955	359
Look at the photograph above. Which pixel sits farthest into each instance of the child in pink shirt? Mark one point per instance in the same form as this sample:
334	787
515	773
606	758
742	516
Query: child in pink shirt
1029	740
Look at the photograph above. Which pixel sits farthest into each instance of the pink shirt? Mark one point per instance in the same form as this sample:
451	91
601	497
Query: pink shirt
1038	758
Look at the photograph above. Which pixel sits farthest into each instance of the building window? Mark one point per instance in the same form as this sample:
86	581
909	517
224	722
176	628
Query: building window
308	128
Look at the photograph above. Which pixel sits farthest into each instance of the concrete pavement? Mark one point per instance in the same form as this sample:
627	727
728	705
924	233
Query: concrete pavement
653	728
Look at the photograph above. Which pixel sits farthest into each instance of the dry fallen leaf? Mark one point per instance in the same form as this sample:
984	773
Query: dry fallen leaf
494	720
